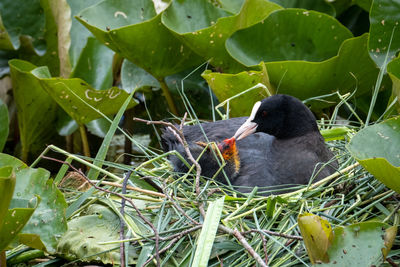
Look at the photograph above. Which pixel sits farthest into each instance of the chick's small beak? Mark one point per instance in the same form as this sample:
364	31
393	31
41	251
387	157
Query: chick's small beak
246	129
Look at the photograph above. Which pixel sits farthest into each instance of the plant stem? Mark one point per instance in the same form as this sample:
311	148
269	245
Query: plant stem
3	261
168	96
85	142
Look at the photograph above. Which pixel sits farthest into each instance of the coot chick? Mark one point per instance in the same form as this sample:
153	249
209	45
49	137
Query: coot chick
278	144
210	160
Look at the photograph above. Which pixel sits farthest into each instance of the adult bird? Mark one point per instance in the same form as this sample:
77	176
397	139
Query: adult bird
278	144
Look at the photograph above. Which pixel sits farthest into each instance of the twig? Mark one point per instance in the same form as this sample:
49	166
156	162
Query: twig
157	237
391	262
183	121
244	243
264	242
122	222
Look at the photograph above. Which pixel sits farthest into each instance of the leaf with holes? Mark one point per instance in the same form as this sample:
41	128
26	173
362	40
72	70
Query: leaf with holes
384	38
358	244
133	29
205	27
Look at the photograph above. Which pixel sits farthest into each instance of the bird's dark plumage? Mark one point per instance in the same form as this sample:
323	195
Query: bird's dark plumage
281	145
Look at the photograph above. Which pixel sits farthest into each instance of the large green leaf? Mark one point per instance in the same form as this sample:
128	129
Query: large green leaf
207	235
79	34
22	18
188	82
357	245
3	124
228	85
384	30
289	34
48	221
352	69
61	13
95	65
36	109
134	30
317	5
381	156
134	78
74	95
8	160
81	241
393	69
14	219
31	27
205	27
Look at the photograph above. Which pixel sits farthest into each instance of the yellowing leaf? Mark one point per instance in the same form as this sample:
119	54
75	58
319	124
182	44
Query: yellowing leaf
317	235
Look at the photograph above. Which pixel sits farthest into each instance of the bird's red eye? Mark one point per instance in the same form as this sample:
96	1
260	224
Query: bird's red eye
264	113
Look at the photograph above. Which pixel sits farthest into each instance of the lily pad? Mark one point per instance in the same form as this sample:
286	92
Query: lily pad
352	69
81	241
358	244
384	30
48	221
133	29
289	34
205	27
381	157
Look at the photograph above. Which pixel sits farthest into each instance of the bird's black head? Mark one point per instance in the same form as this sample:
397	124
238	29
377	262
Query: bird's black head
282	116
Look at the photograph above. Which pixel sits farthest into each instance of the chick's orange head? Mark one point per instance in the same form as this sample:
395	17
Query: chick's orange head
229	151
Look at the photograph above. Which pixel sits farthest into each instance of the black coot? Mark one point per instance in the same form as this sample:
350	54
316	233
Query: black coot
278	144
